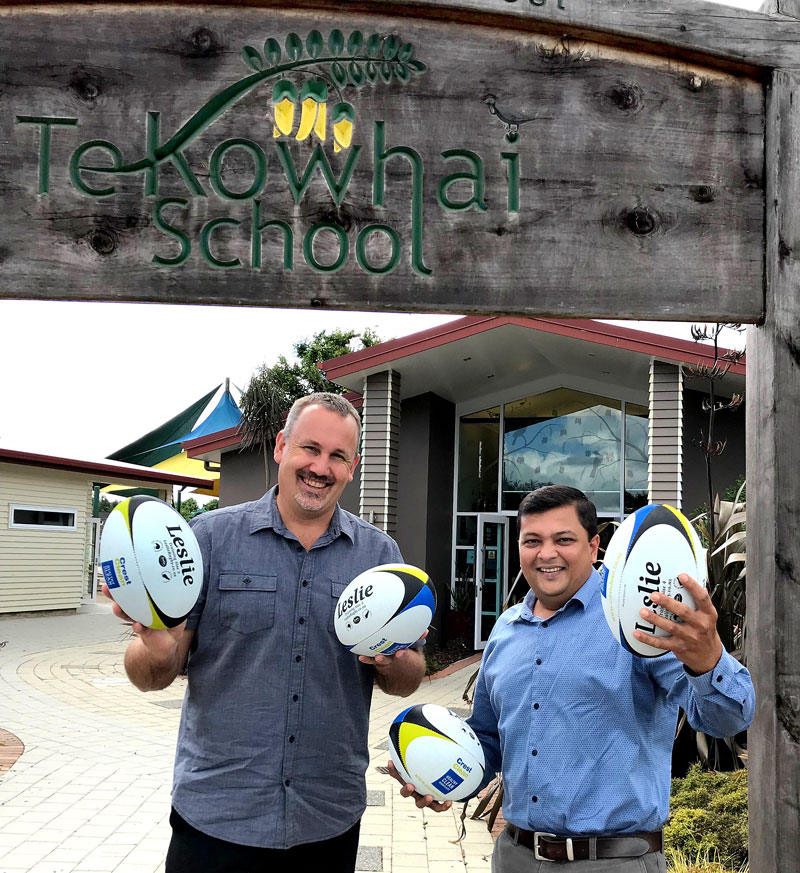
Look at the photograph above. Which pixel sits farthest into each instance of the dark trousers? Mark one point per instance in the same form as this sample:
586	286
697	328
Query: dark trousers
191	851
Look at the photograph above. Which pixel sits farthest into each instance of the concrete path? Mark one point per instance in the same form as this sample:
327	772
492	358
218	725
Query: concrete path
90	793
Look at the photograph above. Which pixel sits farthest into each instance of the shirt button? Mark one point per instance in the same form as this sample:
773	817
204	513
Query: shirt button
534	753
298	658
719	678
535	799
291	739
544	624
305	583
287	783
246	580
535	705
538	660
300	549
301	621
295	698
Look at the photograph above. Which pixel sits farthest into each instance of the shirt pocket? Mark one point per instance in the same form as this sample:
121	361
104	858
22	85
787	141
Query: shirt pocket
337	586
247	601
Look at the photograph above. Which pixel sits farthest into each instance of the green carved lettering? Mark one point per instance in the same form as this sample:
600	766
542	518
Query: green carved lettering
45	123
382	154
75	167
259	168
205	238
169	230
361	249
176	156
318	159
512	158
255	239
308	247
476	177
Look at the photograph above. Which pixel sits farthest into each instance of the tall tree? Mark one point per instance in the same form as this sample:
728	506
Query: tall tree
272	390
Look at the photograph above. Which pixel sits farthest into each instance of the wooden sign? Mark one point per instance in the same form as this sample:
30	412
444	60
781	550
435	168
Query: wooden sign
332	159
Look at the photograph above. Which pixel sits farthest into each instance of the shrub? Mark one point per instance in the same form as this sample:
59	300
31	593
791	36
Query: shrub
708	819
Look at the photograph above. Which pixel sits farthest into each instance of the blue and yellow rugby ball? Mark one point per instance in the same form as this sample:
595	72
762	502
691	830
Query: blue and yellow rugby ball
384	609
646	554
437	752
151	561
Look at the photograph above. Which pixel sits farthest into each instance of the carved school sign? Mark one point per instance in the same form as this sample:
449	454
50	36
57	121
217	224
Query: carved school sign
296	159
580	158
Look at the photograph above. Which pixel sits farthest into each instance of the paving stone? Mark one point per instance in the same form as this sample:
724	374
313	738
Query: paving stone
67	670
369	858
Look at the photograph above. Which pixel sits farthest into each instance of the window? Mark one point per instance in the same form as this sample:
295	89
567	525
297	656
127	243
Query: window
637	433
477	461
563	437
42	517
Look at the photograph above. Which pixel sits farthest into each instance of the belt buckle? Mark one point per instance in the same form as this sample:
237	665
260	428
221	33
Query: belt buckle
537	835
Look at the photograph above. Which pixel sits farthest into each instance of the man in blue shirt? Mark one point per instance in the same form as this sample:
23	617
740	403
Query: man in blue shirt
581	728
272	748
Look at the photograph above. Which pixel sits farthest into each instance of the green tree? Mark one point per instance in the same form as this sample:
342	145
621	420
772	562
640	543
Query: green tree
106	505
272	390
211	505
189	507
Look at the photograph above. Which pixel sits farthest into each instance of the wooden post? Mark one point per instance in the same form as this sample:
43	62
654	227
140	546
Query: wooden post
773	497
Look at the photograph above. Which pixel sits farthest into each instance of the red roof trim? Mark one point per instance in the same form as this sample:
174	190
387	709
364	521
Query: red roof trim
225	439
108	469
669	348
208	443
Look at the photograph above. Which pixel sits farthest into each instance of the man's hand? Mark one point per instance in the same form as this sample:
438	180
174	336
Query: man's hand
694	640
155	657
422	801
398	674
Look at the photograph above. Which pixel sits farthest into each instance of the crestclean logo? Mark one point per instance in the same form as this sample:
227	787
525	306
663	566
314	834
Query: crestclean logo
115	574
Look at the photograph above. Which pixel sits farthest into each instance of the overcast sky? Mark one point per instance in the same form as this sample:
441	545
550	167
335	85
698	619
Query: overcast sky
83	379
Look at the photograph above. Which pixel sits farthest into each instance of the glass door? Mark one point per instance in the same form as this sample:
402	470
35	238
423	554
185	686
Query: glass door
491	574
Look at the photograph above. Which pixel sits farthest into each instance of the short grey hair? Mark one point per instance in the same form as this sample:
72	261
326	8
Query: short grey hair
333	402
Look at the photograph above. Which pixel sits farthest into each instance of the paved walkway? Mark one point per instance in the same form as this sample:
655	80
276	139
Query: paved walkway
90	793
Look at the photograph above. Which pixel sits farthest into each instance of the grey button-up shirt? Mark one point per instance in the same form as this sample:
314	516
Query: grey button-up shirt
272	747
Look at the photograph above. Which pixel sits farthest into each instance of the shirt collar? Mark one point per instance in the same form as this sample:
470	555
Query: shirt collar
266	515
583	596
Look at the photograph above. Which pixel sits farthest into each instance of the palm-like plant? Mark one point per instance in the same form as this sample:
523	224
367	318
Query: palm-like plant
264	403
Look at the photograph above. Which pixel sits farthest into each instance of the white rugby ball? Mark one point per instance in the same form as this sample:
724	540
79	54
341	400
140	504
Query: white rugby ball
646	554
151	561
437	752
385	609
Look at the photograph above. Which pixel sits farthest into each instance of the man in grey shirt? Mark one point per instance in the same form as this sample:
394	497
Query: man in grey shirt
272	749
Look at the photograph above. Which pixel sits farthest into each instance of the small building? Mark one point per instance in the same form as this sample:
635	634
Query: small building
462	420
48	533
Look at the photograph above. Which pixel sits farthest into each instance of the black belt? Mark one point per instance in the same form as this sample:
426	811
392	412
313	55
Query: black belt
550	847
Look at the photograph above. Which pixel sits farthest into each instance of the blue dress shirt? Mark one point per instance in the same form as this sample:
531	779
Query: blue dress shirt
583	728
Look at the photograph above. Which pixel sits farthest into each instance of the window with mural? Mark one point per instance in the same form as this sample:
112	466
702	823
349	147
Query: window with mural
597	444
637	435
563	437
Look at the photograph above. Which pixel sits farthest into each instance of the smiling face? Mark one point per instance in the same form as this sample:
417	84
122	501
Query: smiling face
316	459
556	554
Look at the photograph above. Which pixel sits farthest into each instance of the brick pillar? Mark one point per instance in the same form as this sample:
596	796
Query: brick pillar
380	416
665	476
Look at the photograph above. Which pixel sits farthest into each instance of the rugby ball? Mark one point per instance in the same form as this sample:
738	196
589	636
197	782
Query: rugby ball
385	609
437	752
151	561
645	555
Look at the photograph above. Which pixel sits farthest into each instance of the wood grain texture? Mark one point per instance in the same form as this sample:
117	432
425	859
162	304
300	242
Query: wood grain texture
641	189
773	505
690	29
